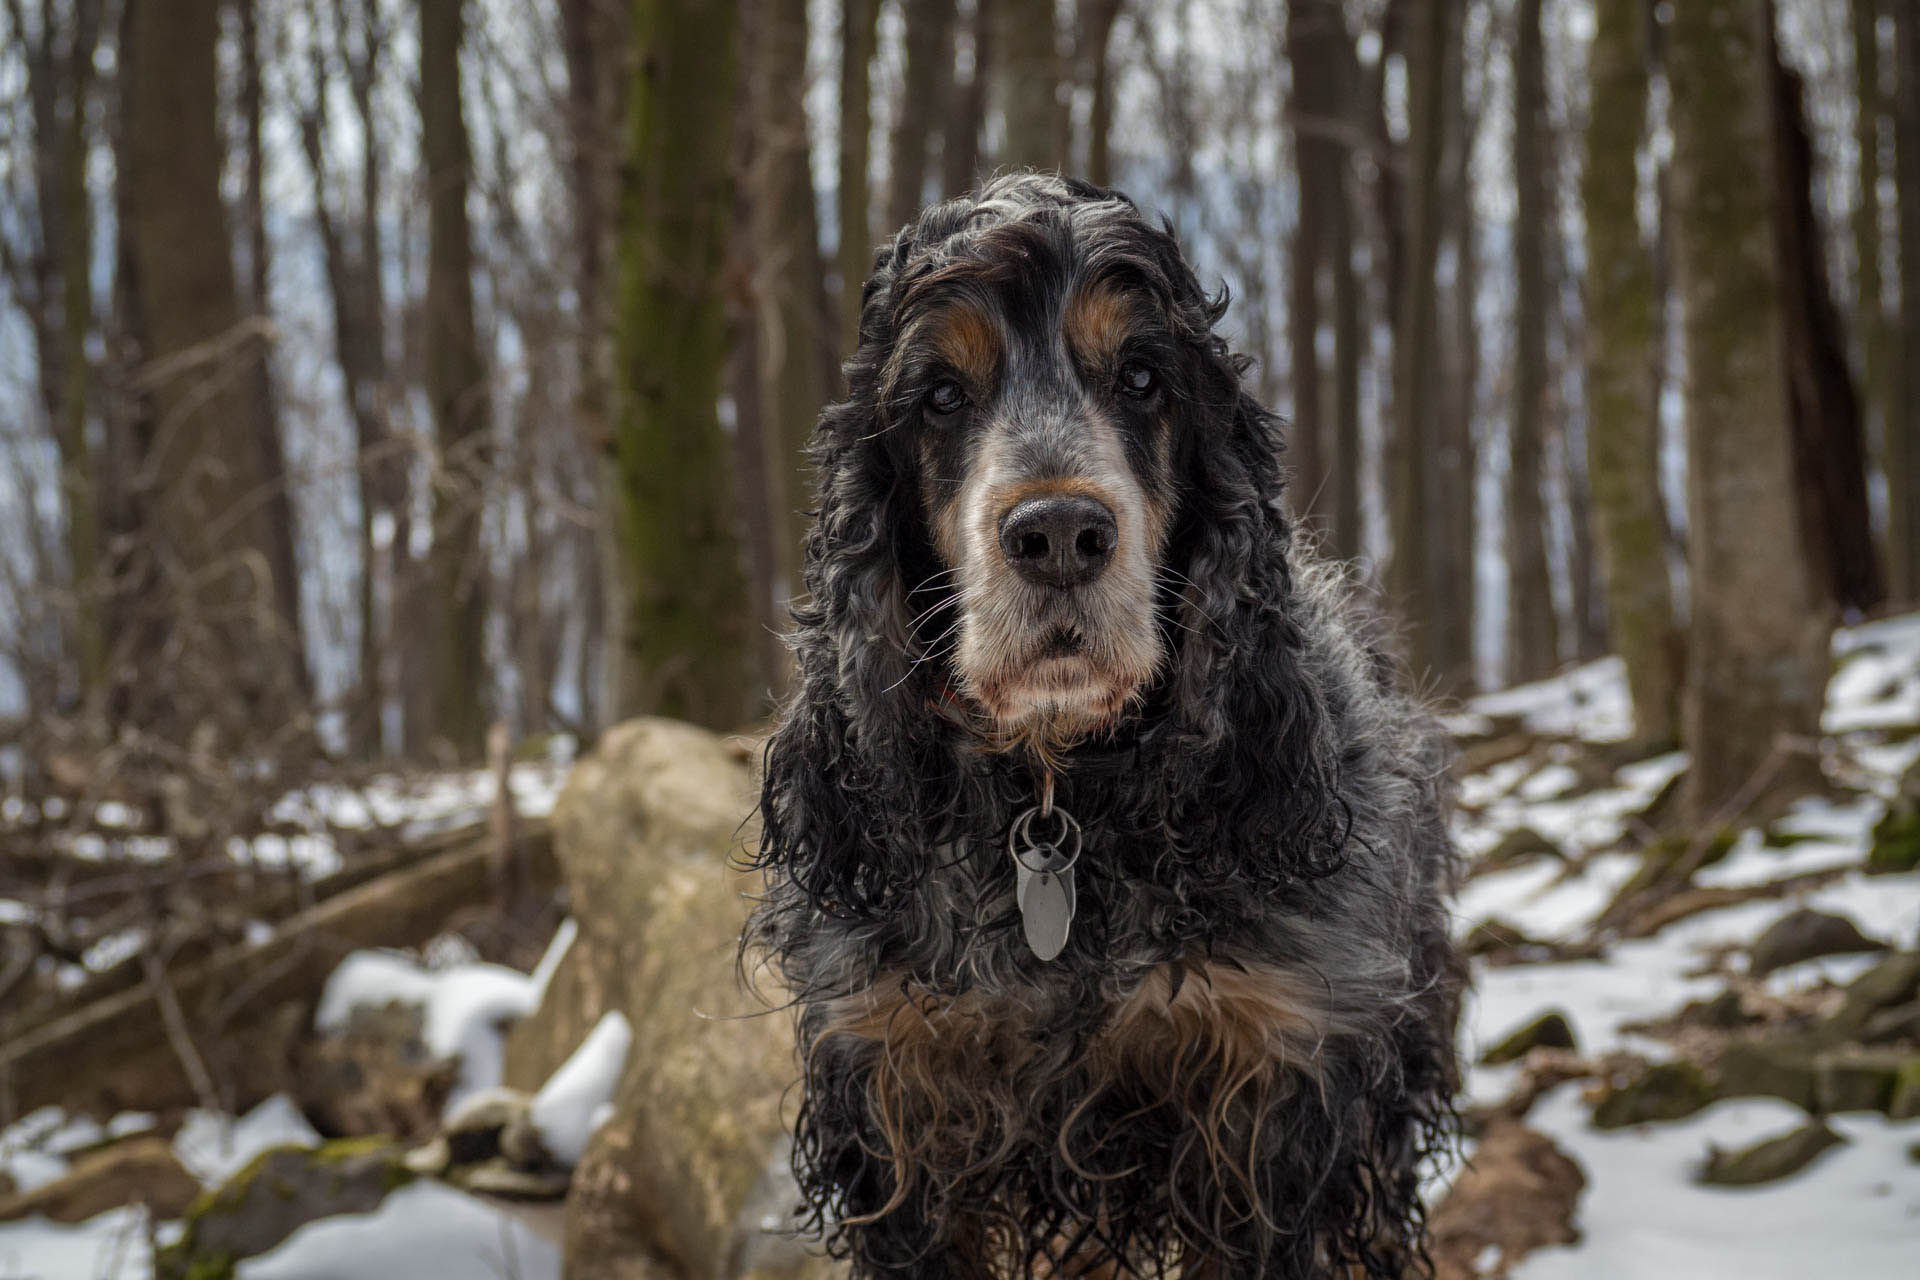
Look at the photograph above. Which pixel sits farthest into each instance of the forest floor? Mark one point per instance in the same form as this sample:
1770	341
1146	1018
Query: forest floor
1555	816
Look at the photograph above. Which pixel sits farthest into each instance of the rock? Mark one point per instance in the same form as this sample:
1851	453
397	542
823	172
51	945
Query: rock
1859	1079
644	831
1517	1194
1725	1012
374	1075
136	1170
1664	1091
1550	1030
277	1193
1803	935
1896	837
1520	845
1894	981
1784	1067
1770	1160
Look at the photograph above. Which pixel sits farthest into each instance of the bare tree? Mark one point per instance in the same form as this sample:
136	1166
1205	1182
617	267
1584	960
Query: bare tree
1758	642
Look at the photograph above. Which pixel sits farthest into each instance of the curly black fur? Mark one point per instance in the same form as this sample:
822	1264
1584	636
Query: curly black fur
1272	802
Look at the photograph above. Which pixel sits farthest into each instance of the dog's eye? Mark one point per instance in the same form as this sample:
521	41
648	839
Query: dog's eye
1138	380
946	397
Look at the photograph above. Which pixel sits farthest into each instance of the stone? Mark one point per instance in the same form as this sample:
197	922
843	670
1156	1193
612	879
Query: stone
1784	1067
374	1075
1520	845
137	1170
1805	934
1894	981
1664	1091
1768	1160
1859	1079
277	1193
1550	1030
1517	1194
646	833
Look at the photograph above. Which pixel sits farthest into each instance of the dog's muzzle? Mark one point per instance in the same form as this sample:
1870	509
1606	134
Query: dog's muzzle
1059	540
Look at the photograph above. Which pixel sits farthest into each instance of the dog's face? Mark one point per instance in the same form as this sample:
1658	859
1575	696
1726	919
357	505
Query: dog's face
1036	376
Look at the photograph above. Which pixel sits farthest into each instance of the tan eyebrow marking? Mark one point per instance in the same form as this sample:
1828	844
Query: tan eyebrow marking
1096	322
966	338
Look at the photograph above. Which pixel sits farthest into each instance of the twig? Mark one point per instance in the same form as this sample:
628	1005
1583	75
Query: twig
178	1036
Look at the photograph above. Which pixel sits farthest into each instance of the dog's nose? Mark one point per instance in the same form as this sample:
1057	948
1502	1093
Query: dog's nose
1062	541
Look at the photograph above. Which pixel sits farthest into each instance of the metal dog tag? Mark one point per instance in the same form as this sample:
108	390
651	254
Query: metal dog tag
1043	880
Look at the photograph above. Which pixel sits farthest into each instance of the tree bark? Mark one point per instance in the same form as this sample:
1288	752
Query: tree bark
1430	30
684	647
1457	377
1027	78
1870	118
457	393
1314	30
1830	448
1096	30
1532	639
1758	646
797	364
206	564
922	101
1623	335
859	20
1902	455
967	109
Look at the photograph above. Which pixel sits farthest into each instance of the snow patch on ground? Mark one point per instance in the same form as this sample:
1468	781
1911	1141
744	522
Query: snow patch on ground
215	1146
464	1007
425	1231
578	1098
1855	1212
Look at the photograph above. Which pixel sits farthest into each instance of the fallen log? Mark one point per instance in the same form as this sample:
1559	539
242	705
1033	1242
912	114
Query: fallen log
115	1053
280	896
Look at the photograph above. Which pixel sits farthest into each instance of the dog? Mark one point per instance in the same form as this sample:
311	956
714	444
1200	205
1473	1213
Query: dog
1104	864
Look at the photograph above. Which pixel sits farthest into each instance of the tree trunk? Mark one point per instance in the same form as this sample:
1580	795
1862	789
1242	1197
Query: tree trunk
209	549
457	393
967	109
1830	448
1623	337
1902	456
58	296
1457	377
1870	117
684	643
922	99
1758	658
1314	30
596	40
1532	642
1430	30
1096	30
796	364
859	20
1027	78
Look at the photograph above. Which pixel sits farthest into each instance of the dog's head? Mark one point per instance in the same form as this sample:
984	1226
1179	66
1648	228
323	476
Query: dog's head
1039	380
1048	512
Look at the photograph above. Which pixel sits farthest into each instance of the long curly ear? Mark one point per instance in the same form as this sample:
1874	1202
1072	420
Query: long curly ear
1243	708
849	771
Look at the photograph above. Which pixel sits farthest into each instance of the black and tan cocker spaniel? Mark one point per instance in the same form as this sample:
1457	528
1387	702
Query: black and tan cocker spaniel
1104	864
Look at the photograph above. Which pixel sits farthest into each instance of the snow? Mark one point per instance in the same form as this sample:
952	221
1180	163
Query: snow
1855	1211
109	1246
464	1007
214	1146
578	1098
425	1231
